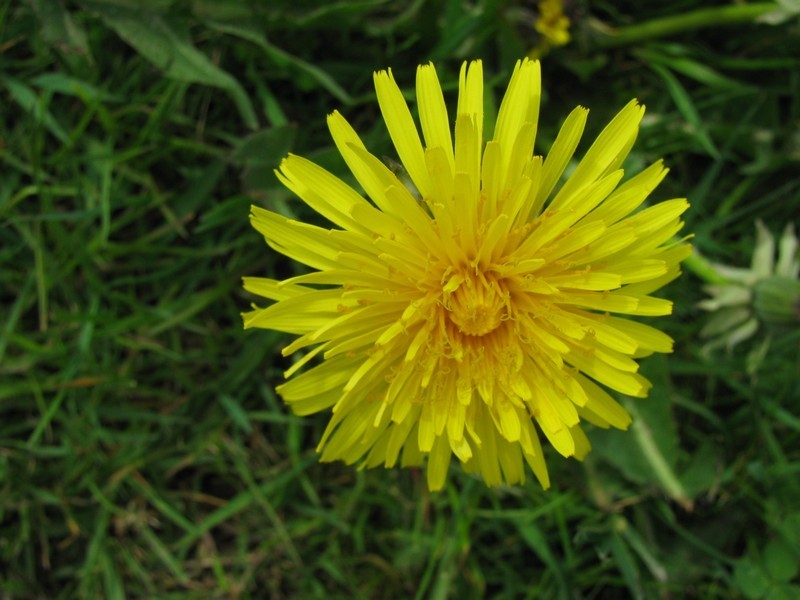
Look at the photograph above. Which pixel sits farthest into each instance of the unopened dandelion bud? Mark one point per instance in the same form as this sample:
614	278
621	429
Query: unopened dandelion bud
777	300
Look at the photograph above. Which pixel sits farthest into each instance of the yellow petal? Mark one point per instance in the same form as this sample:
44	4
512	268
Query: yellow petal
605	155
518	109
438	464
402	129
331	197
433	112
630	195
398	437
604	405
300	315
273	289
470	93
631	384
560	154
644	335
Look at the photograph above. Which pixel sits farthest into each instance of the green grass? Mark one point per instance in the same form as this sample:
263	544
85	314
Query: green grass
143	451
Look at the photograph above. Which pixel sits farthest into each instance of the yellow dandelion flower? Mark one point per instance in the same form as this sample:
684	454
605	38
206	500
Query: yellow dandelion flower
552	24
470	321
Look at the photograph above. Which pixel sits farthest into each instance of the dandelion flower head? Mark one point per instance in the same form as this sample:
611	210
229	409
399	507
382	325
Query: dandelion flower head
552	24
485	304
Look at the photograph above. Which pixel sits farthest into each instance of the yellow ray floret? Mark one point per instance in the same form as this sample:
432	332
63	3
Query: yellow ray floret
485	306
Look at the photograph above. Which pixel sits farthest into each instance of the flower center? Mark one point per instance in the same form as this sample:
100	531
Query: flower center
477	305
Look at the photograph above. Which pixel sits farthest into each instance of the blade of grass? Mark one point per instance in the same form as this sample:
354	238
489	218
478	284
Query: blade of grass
687	108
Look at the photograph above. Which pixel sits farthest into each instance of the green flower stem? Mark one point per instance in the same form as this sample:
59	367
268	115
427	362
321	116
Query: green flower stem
696	19
699	265
662	471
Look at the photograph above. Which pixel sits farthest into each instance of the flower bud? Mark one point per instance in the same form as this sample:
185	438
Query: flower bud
777	300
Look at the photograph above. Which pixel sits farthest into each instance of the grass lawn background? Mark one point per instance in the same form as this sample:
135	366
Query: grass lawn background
143	451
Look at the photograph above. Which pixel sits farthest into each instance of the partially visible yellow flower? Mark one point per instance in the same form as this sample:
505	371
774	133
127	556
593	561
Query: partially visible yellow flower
466	323
552	24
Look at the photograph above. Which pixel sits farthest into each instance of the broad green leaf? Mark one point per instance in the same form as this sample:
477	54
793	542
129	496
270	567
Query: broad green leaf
780	561
36	106
790	527
750	579
265	147
701	473
647	453
59	30
167	45
260	153
783	592
282	58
